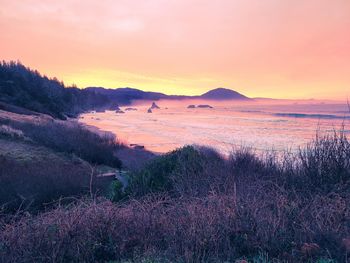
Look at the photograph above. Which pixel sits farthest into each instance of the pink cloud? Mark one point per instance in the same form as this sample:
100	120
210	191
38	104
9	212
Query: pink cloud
254	44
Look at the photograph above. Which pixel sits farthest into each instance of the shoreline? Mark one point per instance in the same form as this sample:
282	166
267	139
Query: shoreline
122	141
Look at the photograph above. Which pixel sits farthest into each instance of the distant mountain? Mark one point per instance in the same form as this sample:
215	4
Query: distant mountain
23	89
125	96
223	94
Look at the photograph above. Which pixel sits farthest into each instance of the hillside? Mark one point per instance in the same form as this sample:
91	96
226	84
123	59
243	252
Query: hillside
125	96
21	87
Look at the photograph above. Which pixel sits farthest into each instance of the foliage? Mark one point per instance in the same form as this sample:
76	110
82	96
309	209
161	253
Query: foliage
192	205
26	88
116	191
182	168
72	138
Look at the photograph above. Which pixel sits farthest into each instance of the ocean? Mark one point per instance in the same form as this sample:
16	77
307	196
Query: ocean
264	125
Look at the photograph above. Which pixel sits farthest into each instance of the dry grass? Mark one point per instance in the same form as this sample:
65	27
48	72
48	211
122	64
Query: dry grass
191	205
71	138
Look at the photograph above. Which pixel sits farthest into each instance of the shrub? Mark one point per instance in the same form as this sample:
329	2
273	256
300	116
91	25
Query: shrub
180	172
325	163
72	138
193	230
32	185
115	191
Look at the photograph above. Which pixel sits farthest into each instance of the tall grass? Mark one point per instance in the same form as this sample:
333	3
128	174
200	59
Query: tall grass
31	186
72	138
192	205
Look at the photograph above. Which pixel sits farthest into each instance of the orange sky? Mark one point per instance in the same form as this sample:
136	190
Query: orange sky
261	48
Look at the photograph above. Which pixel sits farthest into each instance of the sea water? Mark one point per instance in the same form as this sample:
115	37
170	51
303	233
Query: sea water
263	125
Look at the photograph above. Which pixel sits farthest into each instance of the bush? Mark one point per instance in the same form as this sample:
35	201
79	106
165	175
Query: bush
72	138
116	191
189	171
99	232
325	163
31	186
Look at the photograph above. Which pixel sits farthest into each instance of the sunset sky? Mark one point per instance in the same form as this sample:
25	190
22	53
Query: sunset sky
261	48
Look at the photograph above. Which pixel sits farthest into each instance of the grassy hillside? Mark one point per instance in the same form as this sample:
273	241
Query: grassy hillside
43	160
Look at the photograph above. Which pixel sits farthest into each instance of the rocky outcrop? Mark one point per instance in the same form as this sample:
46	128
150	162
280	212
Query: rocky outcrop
149	110
119	111
154	106
191	106
204	106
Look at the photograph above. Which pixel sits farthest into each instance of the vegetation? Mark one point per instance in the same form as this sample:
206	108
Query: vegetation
28	89
192	205
72	138
45	161
33	185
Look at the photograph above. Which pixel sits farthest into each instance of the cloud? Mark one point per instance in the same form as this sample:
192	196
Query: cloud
253	43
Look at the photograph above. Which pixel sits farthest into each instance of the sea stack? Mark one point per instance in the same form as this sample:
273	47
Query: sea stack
204	106
154	106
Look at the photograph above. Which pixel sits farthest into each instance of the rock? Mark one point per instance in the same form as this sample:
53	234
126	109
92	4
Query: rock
130	109
310	249
154	106
119	111
149	110
117	108
204	106
191	106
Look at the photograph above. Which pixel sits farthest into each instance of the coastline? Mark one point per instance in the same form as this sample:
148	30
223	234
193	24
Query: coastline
132	158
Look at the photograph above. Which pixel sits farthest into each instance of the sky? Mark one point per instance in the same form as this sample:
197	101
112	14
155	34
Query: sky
294	49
